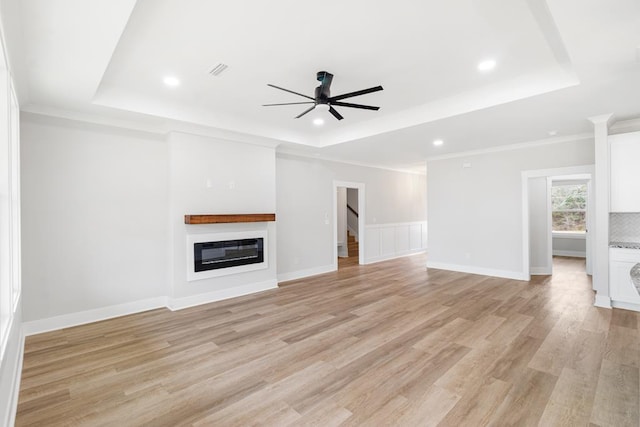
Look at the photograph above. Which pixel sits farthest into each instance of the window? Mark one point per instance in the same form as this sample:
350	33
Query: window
569	208
9	204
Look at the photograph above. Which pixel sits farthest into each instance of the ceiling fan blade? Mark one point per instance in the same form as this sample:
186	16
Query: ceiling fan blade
335	113
347	104
288	103
305	112
356	93
290	91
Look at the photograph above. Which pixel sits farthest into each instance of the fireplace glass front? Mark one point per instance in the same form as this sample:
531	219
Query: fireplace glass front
227	253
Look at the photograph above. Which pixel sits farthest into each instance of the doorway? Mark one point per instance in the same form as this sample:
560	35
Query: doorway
348	208
568	210
557	218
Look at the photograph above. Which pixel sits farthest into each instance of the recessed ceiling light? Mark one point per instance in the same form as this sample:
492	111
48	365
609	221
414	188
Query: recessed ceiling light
318	121
438	142
553	132
171	81
486	65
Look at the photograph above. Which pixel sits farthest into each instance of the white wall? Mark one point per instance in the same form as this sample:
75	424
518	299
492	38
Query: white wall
94	216
475	214
305	212
103	217
538	227
211	176
569	246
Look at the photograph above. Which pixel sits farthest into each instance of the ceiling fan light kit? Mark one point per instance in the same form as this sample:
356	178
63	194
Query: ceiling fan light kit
323	98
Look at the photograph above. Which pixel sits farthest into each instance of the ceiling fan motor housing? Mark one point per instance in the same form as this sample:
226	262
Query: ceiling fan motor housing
323	92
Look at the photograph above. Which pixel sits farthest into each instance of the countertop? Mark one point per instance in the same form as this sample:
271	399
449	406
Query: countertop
625	245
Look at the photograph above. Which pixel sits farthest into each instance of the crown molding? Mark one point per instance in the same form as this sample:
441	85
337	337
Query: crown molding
518	146
152	125
294	153
624	126
601	119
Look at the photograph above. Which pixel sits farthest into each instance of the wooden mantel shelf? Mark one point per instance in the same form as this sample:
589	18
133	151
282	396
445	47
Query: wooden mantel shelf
222	219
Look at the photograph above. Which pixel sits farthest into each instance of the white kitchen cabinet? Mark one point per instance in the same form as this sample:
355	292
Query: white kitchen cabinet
625	172
621	287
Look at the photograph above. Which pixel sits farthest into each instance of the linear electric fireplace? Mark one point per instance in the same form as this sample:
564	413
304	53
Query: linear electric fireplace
218	254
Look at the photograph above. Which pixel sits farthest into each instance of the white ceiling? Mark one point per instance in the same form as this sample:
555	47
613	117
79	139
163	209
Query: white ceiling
558	63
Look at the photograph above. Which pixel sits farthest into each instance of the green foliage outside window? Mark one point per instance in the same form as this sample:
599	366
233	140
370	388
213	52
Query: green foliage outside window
568	207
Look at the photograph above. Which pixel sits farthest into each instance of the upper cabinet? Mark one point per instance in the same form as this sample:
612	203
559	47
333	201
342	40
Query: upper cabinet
625	172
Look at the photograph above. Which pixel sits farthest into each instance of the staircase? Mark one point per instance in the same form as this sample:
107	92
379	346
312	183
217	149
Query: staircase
352	245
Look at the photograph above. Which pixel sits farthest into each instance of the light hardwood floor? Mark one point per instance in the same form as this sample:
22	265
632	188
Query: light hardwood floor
385	344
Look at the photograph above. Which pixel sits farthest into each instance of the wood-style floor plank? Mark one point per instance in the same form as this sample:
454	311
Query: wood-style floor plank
385	344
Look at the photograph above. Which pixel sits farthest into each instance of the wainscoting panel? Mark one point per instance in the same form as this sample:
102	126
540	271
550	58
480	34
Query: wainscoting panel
402	238
387	241
415	237
372	243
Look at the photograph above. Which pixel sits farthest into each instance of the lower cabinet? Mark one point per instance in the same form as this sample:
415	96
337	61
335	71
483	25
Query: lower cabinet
622	289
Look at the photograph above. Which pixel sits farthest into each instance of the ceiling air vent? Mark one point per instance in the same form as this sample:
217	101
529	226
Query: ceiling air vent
218	69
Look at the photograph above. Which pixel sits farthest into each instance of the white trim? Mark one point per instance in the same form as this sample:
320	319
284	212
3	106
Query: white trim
314	156
300	274
569	235
192	239
515	275
510	147
395	224
574	172
526	261
103	313
602	301
16	376
89	316
174	304
32	111
549	213
624	126
625	305
602	119
395	256
361	216
400	243
541	271
575	254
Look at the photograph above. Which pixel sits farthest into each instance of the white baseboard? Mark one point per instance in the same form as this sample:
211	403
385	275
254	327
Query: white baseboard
540	271
208	297
625	305
602	301
16	372
301	274
376	259
89	316
515	275
574	254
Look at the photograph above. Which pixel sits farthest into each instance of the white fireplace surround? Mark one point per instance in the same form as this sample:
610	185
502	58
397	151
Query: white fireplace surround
192	239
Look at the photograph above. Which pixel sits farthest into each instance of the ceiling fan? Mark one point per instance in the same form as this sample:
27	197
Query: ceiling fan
324	99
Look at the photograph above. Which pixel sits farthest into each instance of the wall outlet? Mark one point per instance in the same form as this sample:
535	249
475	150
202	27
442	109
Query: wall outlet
466	165
232	185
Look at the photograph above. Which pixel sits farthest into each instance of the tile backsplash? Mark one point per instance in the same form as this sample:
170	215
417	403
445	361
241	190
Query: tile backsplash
624	227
